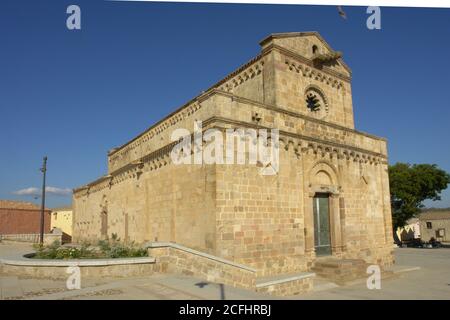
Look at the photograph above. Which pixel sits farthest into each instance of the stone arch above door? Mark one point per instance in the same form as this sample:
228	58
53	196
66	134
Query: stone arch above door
323	177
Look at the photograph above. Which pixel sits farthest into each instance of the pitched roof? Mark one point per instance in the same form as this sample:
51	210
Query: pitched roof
303	34
12	204
435	215
294	34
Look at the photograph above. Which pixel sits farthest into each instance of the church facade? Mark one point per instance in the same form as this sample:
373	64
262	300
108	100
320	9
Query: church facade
328	198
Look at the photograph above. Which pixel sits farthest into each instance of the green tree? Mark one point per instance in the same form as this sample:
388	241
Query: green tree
411	185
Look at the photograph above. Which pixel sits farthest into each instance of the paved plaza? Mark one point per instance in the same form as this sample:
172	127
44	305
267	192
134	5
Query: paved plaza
421	274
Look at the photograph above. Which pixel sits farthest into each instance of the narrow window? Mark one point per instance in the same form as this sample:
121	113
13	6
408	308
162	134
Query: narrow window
429	225
315	49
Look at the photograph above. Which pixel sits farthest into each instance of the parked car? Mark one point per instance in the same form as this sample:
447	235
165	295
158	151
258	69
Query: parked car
418	243
415	243
433	243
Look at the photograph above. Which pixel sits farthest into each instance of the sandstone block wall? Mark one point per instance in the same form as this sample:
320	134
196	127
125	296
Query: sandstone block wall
231	211
173	258
182	260
288	288
166	203
59	273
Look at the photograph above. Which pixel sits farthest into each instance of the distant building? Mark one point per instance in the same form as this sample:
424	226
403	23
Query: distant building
410	231
22	220
62	219
435	224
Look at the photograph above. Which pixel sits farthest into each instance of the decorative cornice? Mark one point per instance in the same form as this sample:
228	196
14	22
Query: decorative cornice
315	144
275	108
308	62
289	141
154	131
252	71
188	109
313	73
159	156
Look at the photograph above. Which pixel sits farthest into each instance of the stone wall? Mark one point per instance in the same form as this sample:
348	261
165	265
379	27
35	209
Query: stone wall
288	286
161	205
49	238
266	221
304	126
89	268
231	211
234	212
292	82
173	258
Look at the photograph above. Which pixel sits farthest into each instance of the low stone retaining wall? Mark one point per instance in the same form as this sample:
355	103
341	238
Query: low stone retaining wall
174	258
49	238
89	268
286	285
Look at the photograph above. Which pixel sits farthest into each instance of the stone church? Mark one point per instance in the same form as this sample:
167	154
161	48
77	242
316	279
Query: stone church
329	199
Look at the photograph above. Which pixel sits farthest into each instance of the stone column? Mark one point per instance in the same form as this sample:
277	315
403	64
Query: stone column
335	225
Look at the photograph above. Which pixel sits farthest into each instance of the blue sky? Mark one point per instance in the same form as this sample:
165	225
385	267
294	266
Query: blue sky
73	95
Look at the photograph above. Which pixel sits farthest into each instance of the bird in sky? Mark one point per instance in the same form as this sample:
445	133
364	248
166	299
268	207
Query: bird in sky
341	12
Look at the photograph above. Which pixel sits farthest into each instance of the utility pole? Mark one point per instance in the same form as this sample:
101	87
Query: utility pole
43	170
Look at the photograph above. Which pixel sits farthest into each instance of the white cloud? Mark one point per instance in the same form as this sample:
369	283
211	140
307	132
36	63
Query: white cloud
32	191
59	191
27	192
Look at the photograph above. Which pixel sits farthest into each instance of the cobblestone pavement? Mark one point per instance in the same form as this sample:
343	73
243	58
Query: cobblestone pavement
432	281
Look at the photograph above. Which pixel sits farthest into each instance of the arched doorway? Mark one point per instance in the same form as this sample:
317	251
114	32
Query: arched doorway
322	210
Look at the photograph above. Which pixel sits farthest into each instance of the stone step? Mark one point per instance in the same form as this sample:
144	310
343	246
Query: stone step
349	271
340	271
